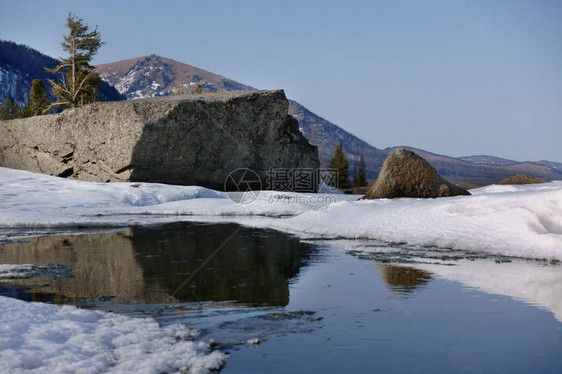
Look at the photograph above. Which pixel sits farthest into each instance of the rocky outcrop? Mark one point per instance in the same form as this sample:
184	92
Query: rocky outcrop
405	174
522	179
191	139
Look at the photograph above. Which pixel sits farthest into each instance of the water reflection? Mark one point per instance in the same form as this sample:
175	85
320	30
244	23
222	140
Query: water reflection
535	282
102	265
402	278
147	264
253	267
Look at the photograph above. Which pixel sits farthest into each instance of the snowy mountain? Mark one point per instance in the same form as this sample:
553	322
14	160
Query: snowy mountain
153	75
20	64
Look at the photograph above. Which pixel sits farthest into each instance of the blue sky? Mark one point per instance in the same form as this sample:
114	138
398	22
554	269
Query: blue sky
483	77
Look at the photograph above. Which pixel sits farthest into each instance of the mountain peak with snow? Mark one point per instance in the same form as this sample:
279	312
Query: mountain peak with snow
153	75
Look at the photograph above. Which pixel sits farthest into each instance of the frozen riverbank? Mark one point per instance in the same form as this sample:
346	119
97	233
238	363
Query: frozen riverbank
523	221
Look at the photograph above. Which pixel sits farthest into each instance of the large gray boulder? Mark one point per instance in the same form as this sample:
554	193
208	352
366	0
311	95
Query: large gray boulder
188	140
405	174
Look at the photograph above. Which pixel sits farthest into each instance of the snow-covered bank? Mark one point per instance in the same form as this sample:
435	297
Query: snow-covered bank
535	282
527	281
36	200
43	338
524	221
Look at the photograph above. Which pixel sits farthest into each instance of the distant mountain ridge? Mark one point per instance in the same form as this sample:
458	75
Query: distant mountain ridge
482	170
551	164
488	160
491	160
19	64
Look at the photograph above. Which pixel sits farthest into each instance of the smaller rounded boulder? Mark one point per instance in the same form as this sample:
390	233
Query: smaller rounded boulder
405	174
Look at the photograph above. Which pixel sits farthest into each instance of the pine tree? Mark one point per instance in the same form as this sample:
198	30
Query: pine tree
361	174
80	82
355	176
17	111
199	89
4	111
10	110
37	102
340	163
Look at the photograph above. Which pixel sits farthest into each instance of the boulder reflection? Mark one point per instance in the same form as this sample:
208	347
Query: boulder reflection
254	266
148	264
101	265
402	278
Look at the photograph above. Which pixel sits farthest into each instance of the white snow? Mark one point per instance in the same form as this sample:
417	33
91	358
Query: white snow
125	83
529	281
35	200
43	338
524	221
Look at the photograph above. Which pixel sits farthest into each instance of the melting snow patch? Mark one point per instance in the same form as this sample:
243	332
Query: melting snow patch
43	338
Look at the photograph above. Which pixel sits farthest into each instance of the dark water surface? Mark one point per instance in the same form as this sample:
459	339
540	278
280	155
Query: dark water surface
280	304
